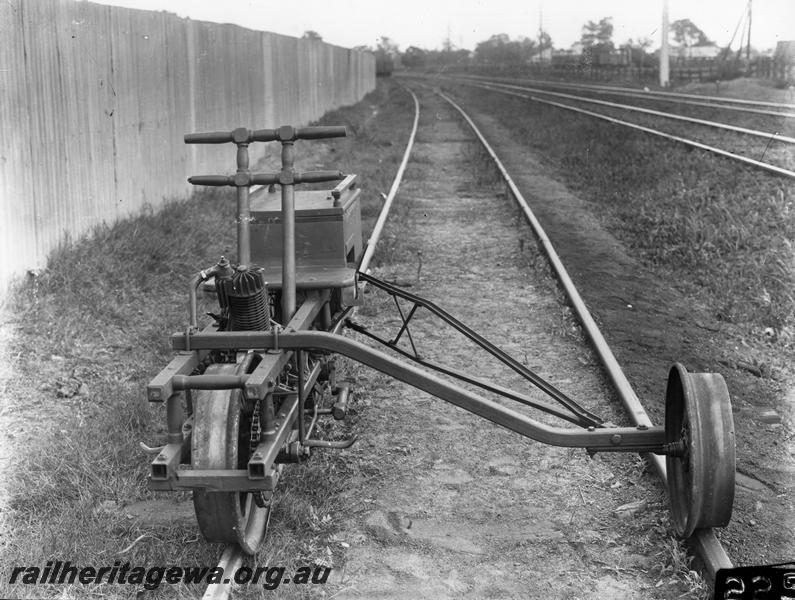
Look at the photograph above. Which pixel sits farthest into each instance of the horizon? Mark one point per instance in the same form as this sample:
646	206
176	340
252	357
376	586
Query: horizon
465	23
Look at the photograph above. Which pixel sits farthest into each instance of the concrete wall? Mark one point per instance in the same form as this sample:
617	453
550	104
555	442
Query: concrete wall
94	101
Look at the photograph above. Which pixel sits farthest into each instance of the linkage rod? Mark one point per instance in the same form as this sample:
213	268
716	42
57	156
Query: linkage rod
481	383
489	347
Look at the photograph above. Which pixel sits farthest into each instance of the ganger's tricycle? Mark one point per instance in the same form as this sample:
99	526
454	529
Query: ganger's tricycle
244	393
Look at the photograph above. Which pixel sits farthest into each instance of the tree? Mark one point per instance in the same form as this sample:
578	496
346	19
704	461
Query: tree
387	46
312	35
598	36
687	34
413	57
499	49
636	50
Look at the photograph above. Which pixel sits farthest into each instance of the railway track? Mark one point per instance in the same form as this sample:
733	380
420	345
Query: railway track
539	95
774	109
704	543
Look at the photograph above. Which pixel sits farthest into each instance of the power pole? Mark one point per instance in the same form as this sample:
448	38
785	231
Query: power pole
664	73
748	45
540	32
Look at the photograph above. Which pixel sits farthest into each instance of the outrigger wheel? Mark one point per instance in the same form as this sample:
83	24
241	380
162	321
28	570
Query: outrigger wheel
700	429
220	440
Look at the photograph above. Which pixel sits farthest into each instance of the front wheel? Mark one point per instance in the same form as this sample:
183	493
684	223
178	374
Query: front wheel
698	421
220	440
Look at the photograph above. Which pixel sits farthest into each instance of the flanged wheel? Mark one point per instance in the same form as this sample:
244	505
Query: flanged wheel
700	429
220	440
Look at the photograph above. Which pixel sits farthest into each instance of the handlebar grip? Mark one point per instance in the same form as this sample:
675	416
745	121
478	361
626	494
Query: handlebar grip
263	135
212	137
241	135
316	133
318	176
215	180
264	178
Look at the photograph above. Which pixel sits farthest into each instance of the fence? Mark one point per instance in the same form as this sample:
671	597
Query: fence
94	101
681	71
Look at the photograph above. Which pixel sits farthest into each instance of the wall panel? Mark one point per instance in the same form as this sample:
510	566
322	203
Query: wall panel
94	101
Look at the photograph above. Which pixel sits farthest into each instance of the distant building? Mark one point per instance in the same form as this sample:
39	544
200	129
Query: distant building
576	48
544	56
701	51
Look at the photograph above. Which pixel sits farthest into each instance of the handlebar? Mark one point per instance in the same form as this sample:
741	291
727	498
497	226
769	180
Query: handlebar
286	133
249	179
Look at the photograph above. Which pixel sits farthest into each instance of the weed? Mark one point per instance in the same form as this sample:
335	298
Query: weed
725	232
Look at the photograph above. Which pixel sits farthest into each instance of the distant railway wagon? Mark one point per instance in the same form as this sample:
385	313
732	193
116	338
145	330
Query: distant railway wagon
384	65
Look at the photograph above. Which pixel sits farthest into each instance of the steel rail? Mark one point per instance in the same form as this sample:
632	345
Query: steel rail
776	137
231	560
379	224
703	541
676	138
659	96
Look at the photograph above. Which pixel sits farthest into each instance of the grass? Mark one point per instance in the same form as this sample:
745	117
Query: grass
90	332
724	231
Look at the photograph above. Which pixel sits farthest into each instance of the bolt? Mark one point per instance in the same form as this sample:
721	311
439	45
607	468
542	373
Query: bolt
642	427
615	439
591	428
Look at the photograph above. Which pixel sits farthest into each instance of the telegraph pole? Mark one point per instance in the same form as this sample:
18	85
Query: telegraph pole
664	47
748	45
540	32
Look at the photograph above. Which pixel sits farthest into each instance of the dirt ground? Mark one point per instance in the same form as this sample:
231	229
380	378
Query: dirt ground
448	505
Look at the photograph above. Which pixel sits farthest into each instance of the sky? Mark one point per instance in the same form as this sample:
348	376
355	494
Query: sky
427	23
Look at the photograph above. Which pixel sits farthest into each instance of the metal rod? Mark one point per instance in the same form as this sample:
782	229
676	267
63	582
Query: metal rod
209	382
174	418
405	326
288	232
243	210
299	363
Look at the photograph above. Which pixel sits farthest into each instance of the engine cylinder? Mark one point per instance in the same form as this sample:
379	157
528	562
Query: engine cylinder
246	296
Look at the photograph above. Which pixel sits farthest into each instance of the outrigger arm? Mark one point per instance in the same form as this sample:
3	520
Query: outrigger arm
594	439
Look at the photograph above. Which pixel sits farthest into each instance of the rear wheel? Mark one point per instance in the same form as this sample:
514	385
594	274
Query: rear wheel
220	440
698	422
